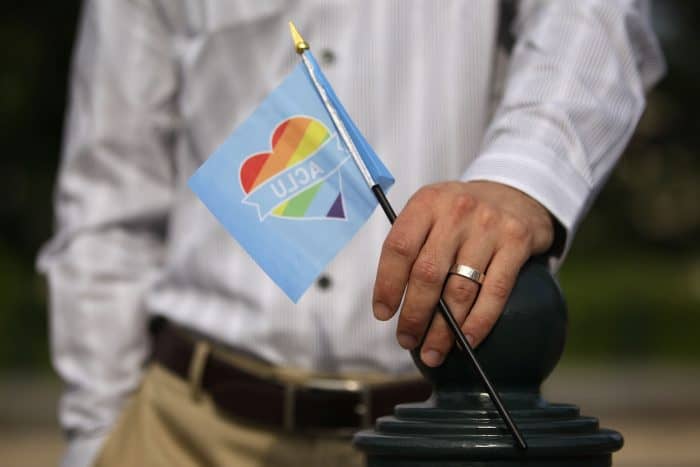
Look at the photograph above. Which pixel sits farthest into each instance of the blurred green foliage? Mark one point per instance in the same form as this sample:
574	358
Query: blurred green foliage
632	305
36	40
632	279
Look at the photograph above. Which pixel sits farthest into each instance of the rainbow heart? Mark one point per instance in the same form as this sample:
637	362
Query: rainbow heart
293	142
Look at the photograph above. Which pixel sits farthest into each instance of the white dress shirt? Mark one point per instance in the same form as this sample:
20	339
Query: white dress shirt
158	85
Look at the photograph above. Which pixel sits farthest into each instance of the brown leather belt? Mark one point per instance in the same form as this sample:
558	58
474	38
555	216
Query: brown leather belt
307	407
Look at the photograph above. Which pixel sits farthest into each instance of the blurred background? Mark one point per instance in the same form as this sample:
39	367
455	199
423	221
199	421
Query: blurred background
632	279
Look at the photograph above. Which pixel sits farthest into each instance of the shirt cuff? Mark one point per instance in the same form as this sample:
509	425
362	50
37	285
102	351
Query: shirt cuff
83	451
542	175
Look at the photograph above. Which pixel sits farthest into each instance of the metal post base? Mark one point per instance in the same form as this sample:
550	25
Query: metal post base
459	426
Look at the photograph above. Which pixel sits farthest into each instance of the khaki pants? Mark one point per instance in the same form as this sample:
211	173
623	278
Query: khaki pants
164	425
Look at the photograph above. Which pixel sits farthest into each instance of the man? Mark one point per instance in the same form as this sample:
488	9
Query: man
493	165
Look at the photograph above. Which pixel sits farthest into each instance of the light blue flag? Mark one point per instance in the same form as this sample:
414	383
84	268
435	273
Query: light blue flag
284	185
374	164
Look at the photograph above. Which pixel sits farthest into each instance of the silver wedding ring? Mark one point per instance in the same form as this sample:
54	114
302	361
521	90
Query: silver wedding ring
468	273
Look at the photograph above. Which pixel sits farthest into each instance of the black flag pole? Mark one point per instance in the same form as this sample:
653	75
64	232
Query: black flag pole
301	46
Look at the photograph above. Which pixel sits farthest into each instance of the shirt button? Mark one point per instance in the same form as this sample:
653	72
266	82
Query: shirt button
327	57
324	282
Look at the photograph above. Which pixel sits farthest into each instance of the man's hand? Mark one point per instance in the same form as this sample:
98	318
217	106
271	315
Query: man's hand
488	226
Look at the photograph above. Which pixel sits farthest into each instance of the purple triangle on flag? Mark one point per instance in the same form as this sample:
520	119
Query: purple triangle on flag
337	211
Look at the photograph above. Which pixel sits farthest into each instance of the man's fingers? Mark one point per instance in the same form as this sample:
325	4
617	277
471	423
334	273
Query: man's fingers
426	282
494	293
459	294
399	251
423	245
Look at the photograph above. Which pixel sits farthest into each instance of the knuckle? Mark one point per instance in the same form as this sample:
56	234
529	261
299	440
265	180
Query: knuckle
479	326
499	287
426	270
386	292
438	339
426	194
487	217
515	229
462	290
399	244
412	323
430	191
464	203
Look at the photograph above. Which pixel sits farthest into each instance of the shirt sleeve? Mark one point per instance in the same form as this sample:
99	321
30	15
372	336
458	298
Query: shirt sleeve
573	95
113	192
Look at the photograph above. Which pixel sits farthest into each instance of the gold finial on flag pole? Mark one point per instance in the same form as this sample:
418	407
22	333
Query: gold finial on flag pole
299	42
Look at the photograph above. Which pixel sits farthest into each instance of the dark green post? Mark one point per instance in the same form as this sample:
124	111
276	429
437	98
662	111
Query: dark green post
459	427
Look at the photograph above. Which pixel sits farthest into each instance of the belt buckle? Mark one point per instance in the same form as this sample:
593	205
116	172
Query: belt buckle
362	409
